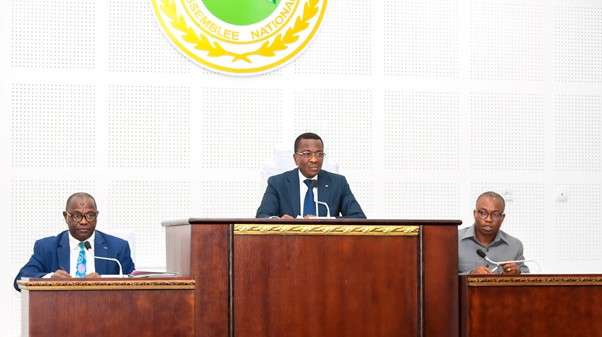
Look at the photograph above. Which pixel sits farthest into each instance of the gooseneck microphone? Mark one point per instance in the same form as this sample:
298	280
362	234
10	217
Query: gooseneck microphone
314	185
482	254
88	246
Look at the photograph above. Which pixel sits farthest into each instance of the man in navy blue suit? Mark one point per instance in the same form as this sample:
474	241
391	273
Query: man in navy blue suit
286	192
57	256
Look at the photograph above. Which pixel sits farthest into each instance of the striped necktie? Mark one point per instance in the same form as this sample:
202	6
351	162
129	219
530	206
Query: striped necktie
80	266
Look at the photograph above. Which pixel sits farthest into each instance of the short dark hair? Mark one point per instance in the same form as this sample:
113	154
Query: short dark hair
491	194
80	195
307	135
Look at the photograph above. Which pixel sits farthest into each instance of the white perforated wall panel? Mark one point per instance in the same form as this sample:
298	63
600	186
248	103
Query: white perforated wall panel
422	129
222	198
47	124
506	41
578	126
507	131
134	43
149	126
53	34
422	200
420	38
343	45
577	42
575	228
238	127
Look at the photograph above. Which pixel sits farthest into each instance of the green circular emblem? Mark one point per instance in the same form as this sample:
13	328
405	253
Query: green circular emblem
240	37
241	12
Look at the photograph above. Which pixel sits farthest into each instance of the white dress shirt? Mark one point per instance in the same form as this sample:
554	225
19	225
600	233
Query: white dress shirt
74	249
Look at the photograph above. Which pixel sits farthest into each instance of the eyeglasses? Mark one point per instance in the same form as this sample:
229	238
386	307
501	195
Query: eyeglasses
495	216
78	217
308	155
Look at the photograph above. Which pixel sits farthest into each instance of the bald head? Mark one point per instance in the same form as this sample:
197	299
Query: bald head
80	195
492	195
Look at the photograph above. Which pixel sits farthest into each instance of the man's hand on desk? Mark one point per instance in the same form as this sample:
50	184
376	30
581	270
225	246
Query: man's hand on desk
510	269
60	273
481	270
63	274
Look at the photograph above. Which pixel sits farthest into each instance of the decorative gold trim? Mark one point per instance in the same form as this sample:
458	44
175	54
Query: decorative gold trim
265	229
98	284
267	49
527	281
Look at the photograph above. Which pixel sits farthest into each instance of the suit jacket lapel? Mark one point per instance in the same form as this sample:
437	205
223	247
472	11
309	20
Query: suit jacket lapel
63	252
293	187
100	245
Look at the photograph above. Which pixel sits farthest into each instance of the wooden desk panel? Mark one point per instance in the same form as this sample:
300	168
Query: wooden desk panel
330	286
108	307
531	305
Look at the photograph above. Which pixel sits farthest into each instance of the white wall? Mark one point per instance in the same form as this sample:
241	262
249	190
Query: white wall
423	105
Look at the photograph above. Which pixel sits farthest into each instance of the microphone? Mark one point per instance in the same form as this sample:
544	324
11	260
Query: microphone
88	246
314	184
482	254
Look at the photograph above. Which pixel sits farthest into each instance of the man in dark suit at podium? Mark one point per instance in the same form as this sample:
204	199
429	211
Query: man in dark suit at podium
291	194
72	252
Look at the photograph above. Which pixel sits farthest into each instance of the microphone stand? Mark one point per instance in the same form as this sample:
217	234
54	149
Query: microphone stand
114	260
89	246
498	264
314	186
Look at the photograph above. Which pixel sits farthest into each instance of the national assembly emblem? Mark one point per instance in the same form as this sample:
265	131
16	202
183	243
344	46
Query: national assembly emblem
240	37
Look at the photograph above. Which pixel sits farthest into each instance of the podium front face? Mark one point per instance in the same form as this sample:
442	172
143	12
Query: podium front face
108	307
329	285
332	278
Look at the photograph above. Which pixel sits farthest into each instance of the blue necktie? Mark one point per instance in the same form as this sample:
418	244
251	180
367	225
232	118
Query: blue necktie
309	205
80	266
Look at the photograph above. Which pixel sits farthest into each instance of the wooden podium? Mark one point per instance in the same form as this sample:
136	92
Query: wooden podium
319	278
531	305
107	307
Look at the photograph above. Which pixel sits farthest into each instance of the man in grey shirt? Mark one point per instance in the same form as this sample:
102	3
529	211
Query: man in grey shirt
485	234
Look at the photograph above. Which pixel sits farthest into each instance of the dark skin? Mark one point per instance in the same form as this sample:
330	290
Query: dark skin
486	229
81	230
308	167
